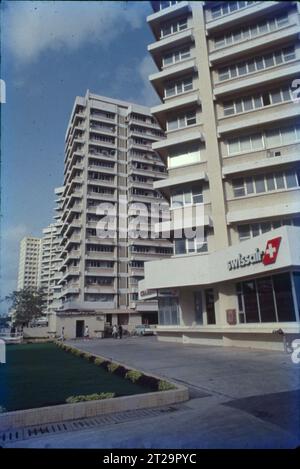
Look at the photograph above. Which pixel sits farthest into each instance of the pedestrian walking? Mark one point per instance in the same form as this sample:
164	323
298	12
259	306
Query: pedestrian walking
115	332
86	332
120	330
63	333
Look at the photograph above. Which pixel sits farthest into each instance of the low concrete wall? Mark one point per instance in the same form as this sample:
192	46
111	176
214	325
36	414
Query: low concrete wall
36	332
80	410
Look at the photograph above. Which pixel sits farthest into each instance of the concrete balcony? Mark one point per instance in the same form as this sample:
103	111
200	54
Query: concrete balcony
100	182
102	169
181	136
180	69
186	217
102	143
99	240
139	146
140	185
286	156
255	207
239	49
99	255
101	197
99	289
150	158
103	130
167	14
100	271
257	117
165	185
70	289
144	172
101	156
242	15
157	48
144	198
255	80
178	103
102	118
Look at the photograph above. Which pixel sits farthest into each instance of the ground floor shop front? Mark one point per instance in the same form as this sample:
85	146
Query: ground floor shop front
247	295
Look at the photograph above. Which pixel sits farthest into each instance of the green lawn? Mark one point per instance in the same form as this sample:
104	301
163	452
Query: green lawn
37	375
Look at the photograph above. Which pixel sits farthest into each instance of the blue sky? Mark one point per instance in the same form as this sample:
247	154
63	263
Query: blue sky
52	51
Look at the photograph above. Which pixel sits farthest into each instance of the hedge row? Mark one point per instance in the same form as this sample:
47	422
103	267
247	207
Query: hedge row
112	367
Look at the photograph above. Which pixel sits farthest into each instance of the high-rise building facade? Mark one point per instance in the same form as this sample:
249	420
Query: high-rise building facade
227	82
108	160
51	258
29	263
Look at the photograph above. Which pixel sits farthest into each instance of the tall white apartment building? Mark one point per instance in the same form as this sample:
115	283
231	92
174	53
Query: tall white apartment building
226	80
29	263
108	159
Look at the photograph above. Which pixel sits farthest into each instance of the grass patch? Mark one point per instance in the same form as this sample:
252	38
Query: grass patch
38	375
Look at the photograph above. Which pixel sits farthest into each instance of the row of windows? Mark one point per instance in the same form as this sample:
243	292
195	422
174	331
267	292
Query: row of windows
268	139
100	264
252	31
103	164
257	101
249	231
265	183
100	190
181	121
102	151
257	63
167	4
176	56
228	7
99	280
174	27
99	248
182	197
99	113
178	87
98	297
100	176
102	138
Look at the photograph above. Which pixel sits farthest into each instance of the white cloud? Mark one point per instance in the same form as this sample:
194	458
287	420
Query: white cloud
148	96
30	28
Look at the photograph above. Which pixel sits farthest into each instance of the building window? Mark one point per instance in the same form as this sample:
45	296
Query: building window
248	231
184	120
266	299
176	56
167	4
257	63
184	196
257	101
179	87
268	139
172	28
191	245
168	311
265	183
228	7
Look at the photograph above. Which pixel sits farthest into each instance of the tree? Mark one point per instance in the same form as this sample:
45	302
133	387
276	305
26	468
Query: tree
28	304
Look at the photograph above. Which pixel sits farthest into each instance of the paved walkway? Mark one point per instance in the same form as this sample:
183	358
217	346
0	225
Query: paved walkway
240	398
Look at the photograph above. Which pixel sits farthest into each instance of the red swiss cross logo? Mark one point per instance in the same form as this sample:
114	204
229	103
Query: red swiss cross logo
271	251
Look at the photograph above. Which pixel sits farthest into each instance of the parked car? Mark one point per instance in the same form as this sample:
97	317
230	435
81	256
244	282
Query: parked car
143	329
